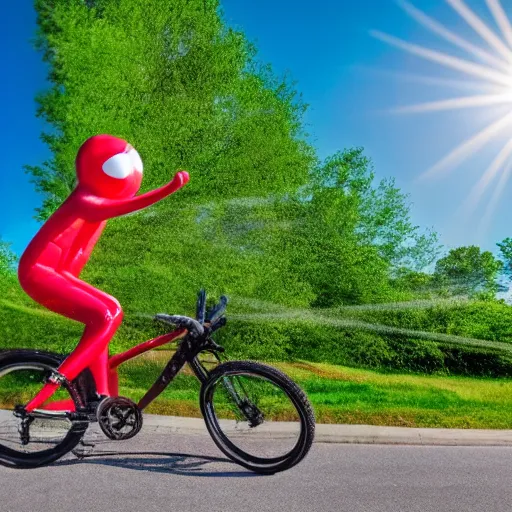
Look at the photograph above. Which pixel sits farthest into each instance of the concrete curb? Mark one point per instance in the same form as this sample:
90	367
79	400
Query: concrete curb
355	434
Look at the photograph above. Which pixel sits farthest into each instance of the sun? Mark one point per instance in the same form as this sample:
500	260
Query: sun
491	66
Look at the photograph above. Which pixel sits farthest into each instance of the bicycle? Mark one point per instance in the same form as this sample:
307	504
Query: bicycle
255	414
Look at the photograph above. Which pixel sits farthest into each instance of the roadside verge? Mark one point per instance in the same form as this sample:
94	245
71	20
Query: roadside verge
358	434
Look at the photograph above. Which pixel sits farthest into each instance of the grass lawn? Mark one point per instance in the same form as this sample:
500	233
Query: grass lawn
339	394
347	395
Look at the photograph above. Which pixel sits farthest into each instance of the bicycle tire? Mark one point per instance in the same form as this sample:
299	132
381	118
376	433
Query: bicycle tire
283	382
22	359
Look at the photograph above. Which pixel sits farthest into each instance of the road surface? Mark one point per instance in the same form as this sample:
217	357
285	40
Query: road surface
163	471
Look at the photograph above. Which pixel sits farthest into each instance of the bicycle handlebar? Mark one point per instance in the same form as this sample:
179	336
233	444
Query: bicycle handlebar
213	317
192	326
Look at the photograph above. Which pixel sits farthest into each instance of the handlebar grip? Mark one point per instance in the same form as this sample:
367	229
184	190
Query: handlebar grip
192	326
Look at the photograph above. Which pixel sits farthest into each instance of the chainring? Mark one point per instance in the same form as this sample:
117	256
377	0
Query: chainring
119	418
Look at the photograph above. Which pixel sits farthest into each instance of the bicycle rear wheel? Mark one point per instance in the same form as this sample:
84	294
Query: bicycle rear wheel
40	440
257	416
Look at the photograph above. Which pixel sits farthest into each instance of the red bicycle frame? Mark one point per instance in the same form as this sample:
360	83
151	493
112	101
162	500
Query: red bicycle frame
196	339
113	363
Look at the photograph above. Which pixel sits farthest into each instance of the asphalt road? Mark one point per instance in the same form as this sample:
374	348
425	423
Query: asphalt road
162	471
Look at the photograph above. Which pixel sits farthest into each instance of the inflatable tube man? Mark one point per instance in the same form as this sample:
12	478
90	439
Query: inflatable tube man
109	172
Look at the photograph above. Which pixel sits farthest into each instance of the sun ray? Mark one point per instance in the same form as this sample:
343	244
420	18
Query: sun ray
456	103
447	60
501	19
434	80
481	28
491	69
438	28
469	146
491	172
454	84
493	203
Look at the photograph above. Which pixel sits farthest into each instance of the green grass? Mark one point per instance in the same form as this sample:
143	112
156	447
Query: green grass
346	395
340	394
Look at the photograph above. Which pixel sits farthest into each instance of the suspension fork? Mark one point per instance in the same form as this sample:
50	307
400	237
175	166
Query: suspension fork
250	411
202	374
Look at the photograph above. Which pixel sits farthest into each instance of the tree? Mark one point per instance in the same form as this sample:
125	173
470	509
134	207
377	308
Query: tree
505	247
7	259
469	270
384	218
327	252
345	236
185	90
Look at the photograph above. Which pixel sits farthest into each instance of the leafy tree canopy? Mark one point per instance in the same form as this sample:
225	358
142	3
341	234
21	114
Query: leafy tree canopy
469	270
185	90
505	247
383	211
7	259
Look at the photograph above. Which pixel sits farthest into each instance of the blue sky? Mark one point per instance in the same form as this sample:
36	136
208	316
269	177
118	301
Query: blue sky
346	76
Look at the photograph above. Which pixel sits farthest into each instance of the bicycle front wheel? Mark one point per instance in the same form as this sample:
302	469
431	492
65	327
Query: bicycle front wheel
257	416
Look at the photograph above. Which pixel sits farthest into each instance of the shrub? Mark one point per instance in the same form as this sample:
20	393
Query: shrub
417	355
23	323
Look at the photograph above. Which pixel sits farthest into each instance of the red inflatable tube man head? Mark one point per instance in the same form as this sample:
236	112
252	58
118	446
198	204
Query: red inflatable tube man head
109	167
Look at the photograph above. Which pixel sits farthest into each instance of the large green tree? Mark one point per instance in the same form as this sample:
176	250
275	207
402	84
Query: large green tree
383	211
469	270
351	236
187	92
173	80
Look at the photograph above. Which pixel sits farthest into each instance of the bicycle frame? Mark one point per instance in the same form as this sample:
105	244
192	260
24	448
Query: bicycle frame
187	352
115	361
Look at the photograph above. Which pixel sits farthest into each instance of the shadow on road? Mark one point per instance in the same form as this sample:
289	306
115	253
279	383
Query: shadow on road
161	462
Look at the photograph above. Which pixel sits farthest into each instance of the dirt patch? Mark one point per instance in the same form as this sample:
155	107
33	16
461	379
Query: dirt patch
327	373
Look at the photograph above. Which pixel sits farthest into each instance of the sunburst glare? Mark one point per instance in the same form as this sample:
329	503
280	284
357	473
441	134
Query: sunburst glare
489	61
